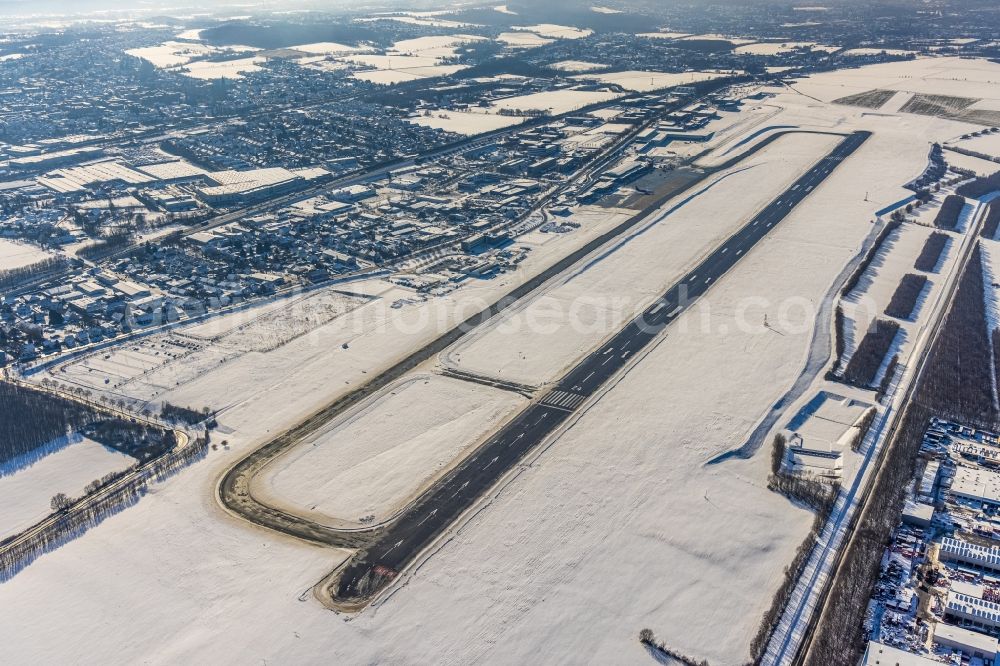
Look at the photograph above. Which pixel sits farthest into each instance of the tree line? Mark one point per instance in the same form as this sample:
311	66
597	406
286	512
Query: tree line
873	251
15	276
867	358
947	215
904	299
930	254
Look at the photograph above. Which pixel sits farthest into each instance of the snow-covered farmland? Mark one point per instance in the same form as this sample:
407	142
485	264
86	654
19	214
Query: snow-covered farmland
171	54
577	66
464	122
777	48
326	48
522	39
555	102
556	31
17	255
639	81
27	492
988	144
228	69
365	467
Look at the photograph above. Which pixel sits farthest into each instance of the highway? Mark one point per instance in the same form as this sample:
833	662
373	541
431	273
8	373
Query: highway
401	542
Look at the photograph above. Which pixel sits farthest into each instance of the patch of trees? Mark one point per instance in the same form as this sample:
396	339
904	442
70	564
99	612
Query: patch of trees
890	372
929	256
509	65
817	495
865	424
904	299
868	357
30	419
992	221
138	440
106	247
838	336
778	453
947	216
15	276
980	186
870	255
188	415
648	638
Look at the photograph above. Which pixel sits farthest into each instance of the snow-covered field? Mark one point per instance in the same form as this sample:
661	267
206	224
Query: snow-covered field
776	48
371	463
325	48
27	492
171	54
522	39
664	35
639	81
617	526
16	255
577	66
553	31
975	79
544	334
229	69
466	123
977	165
556	101
390	76
988	144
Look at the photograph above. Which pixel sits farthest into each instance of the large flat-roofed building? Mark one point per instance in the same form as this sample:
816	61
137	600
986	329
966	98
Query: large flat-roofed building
971	611
970	642
882	655
232	187
979	557
976	484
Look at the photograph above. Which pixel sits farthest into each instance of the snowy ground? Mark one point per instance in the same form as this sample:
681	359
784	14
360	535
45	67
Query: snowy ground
228	69
639	81
468	124
524	40
27	492
577	66
556	101
371	463
988	144
166	367
544	334
776	48
619	525
977	165
16	255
